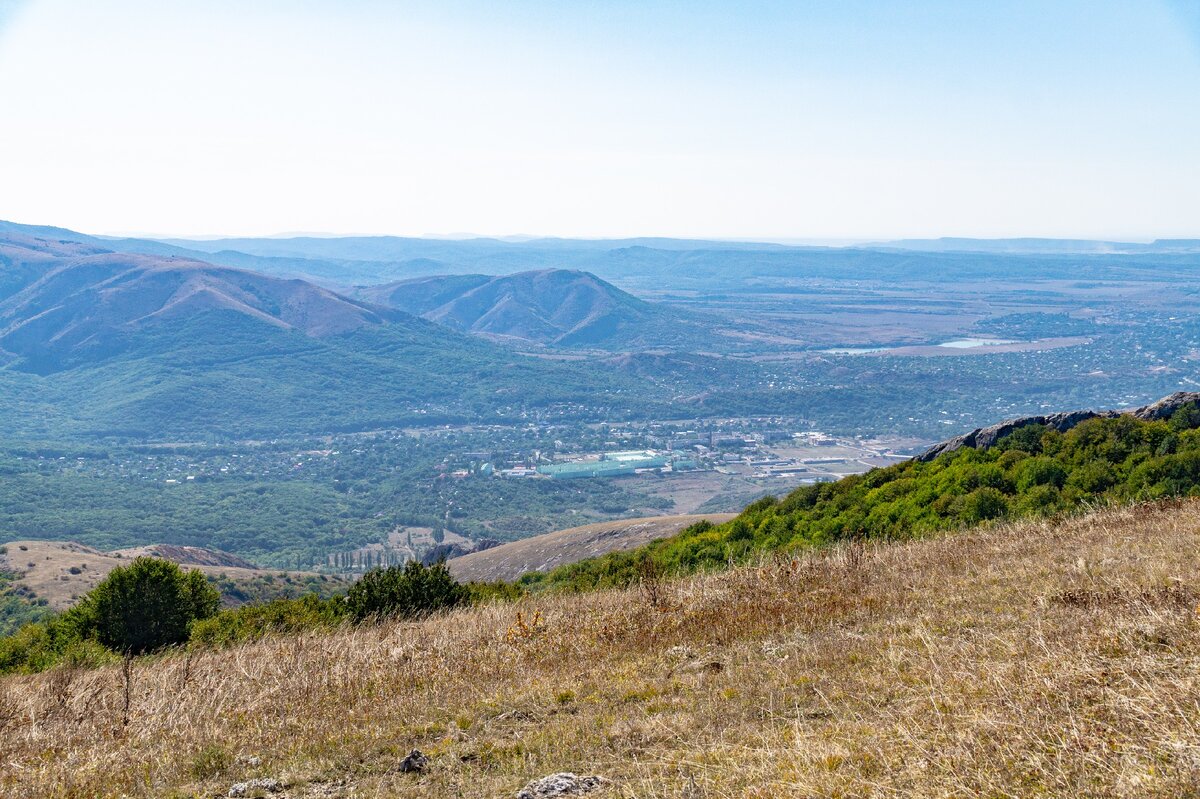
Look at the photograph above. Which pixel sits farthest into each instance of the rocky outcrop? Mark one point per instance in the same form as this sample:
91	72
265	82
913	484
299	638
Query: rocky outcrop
985	437
562	784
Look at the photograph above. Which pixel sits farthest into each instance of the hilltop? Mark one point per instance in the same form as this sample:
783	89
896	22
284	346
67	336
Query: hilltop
55	574
1032	466
1050	656
559	307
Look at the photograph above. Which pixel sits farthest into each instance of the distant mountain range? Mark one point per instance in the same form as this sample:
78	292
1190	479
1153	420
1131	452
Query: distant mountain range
116	343
177	339
1032	246
344	262
558	307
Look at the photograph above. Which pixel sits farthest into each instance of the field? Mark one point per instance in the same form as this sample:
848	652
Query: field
1055	658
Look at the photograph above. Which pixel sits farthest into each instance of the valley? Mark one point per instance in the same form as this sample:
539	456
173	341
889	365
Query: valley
151	397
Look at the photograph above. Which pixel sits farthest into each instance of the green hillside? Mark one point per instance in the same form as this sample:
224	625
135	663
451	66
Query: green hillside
1035	471
94	342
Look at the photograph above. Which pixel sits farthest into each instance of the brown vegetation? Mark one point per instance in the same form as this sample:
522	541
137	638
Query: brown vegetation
61	572
545	552
1046	658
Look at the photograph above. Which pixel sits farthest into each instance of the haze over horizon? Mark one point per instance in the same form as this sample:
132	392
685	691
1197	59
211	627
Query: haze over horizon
752	121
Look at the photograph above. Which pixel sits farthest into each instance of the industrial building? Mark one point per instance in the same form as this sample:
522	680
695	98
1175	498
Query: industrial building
611	464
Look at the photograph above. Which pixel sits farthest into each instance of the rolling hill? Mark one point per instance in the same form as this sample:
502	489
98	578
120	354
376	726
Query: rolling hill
558	307
59	572
543	552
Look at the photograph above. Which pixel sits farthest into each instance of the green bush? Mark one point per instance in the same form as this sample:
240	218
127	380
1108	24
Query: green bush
252	622
409	591
147	605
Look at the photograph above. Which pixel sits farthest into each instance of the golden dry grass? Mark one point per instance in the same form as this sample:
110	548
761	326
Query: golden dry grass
1042	659
63	571
545	552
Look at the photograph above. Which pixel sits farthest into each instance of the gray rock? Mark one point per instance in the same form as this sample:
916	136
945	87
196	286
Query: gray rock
985	437
414	763
252	787
562	784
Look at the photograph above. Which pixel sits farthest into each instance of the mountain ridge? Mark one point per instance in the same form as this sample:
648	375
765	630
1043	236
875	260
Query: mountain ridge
87	303
559	307
985	437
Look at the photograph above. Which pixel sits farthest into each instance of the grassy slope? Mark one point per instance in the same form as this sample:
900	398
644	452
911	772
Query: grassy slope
1045	658
542	552
45	569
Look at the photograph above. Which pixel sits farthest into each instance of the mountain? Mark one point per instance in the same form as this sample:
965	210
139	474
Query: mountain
658	263
555	307
101	342
78	304
1030	246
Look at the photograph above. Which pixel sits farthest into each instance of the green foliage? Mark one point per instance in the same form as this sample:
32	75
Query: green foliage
251	500
1034	471
147	605
411	590
211	761
36	647
252	622
498	591
18	606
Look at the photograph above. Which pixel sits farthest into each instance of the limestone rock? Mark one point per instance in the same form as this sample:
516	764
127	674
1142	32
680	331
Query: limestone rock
562	784
985	437
255	786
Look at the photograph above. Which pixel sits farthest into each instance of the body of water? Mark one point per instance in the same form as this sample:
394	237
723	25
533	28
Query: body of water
955	344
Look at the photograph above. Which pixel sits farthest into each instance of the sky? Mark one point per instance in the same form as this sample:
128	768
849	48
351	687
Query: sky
757	120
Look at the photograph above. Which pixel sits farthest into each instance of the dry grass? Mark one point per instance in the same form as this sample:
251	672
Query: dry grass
63	571
1033	660
544	552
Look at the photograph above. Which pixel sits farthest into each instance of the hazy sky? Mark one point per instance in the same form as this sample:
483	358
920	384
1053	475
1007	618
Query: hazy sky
721	119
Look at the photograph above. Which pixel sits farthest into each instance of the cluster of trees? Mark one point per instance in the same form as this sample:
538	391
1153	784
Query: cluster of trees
18	605
1035	471
153	604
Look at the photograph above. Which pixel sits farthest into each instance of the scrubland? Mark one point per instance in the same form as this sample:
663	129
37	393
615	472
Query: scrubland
1042	658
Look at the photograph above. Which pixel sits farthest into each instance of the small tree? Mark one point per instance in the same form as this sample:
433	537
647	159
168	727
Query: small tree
410	590
146	605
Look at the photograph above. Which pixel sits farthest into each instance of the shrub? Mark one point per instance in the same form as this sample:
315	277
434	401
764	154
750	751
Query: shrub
1039	471
211	761
251	622
409	591
146	605
983	504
